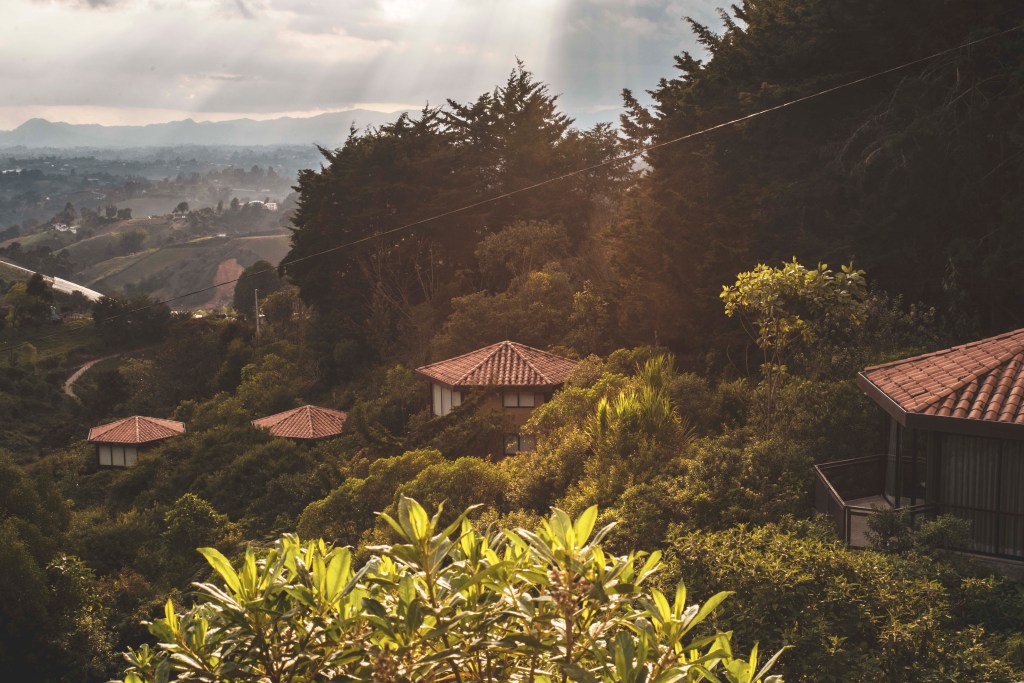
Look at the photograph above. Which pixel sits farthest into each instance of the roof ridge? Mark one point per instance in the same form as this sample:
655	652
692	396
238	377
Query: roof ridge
497	347
461	355
527	360
940	352
308	412
999	357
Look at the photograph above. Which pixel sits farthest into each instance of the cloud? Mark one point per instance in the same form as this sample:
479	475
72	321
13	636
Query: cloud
222	77
243	10
88	4
264	56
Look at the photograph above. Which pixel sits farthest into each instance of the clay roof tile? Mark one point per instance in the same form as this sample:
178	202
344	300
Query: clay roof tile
135	430
983	380
306	422
505	364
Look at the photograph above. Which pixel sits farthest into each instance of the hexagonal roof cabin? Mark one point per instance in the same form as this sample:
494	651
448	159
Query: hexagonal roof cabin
118	442
306	423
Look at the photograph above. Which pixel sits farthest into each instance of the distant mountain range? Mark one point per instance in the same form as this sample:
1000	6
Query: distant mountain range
329	130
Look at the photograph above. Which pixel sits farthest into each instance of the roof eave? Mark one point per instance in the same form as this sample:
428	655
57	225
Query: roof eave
495	387
872	391
939	423
132	443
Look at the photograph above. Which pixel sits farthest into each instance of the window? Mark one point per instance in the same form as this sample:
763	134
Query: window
114	455
445	399
518	399
519	443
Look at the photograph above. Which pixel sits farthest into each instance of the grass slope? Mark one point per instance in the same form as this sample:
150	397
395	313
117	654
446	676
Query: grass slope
177	269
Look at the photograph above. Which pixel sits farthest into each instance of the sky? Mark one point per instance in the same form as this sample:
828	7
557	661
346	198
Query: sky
147	61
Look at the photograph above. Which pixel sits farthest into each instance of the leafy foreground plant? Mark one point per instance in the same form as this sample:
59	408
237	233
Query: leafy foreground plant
449	605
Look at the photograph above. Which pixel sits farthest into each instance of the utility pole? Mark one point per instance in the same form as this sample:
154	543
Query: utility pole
256	295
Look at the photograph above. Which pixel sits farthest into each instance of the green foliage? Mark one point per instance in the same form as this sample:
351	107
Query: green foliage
444	603
457	484
350	509
889	530
260	276
850	616
728	483
271	384
521	248
392	407
884	172
391	296
128	322
534	310
890	331
647	410
85	642
635	432
945	532
28	303
54	625
190	522
791	305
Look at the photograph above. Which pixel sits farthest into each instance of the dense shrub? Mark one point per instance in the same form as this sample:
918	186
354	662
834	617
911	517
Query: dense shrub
849	616
440	605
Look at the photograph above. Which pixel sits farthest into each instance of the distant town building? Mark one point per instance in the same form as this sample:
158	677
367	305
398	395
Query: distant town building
270	206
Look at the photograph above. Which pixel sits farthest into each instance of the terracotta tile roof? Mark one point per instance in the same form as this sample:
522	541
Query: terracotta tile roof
983	380
505	364
136	429
307	422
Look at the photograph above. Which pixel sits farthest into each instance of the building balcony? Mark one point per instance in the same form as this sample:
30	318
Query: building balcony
850	491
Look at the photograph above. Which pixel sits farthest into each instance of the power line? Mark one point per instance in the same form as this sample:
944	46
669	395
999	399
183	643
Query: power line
555	179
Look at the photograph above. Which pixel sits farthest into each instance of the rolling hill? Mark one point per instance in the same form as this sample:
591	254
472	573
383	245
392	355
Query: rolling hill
330	129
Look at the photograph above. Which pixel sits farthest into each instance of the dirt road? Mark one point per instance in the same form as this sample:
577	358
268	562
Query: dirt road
70	382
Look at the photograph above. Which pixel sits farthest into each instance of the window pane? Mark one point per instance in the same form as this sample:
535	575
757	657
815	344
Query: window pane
456	398
446	400
118	453
511	444
437	399
105	456
131	456
526	399
527	443
510	399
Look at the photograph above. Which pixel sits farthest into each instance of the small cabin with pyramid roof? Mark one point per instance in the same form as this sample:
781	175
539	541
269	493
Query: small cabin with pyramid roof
306	423
516	378
955	446
118	443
